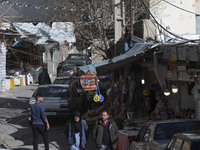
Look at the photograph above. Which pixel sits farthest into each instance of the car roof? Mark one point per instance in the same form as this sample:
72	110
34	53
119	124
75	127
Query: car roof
192	136
54	85
64	77
173	121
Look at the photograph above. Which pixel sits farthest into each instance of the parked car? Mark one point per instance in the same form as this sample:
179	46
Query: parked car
156	135
185	141
72	60
58	101
66	80
77	59
65	69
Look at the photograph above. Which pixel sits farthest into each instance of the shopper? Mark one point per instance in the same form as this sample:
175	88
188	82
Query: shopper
76	131
105	132
43	77
40	124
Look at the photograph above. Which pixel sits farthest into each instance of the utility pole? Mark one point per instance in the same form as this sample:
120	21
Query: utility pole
119	20
131	16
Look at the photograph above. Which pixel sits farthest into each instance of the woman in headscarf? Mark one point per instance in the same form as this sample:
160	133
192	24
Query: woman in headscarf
75	132
44	77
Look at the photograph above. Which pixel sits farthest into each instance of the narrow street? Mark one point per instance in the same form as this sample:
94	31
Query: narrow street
16	133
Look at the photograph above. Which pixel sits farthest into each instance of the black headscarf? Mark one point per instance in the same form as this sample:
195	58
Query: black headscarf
76	126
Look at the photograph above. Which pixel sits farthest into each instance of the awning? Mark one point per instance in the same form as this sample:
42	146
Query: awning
44	33
117	62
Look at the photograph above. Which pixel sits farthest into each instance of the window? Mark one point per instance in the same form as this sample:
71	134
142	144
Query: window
147	133
62	81
141	133
53	92
167	130
186	146
197	24
177	144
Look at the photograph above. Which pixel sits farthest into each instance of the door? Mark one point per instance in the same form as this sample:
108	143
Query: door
142	138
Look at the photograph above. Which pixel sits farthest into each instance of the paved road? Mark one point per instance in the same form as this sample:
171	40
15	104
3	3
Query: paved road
18	132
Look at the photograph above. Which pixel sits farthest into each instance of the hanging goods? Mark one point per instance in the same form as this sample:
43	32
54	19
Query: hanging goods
96	98
98	94
92	92
89	81
101	98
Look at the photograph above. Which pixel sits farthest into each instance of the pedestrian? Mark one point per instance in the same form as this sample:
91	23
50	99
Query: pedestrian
40	124
105	132
43	77
76	131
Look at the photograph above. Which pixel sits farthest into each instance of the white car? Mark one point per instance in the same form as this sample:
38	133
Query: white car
58	101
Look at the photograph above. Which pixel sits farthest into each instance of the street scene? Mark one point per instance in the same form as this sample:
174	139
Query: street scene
100	75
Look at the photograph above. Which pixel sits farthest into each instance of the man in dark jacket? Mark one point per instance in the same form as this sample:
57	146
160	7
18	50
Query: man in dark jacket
105	132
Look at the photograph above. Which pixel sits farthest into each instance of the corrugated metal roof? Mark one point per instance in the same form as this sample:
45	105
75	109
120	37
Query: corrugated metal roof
44	33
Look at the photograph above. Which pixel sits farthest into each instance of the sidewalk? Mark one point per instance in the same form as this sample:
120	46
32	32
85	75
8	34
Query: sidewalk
20	92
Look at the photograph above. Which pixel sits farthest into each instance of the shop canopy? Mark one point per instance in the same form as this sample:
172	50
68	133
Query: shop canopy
44	33
100	68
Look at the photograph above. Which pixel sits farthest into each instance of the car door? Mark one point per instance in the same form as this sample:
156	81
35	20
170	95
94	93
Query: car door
141	141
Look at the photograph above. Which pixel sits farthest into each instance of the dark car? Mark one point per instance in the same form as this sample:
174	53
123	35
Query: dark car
72	60
78	59
66	80
156	135
185	141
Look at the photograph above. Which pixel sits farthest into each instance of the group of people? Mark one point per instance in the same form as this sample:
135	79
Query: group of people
105	132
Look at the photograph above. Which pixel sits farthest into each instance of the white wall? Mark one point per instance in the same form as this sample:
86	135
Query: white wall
178	21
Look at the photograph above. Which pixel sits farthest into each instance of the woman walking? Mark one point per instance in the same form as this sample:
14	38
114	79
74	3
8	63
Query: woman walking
75	132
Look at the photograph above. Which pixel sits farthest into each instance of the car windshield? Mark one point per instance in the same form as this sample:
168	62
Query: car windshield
75	57
52	92
62	81
167	130
66	68
66	81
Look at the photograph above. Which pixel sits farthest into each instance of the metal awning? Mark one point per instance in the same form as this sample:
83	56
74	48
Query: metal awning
140	47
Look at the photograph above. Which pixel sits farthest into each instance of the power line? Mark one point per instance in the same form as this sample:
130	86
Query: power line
180	8
175	35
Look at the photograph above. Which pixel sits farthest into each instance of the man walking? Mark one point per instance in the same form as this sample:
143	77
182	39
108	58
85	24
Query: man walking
40	124
105	132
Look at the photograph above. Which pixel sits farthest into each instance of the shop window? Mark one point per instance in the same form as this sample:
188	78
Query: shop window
197	24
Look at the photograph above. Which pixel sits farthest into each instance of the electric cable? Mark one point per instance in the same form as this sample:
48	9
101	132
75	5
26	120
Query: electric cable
177	36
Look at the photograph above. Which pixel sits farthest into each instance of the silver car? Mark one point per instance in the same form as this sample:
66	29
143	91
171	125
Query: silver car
58	101
156	135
